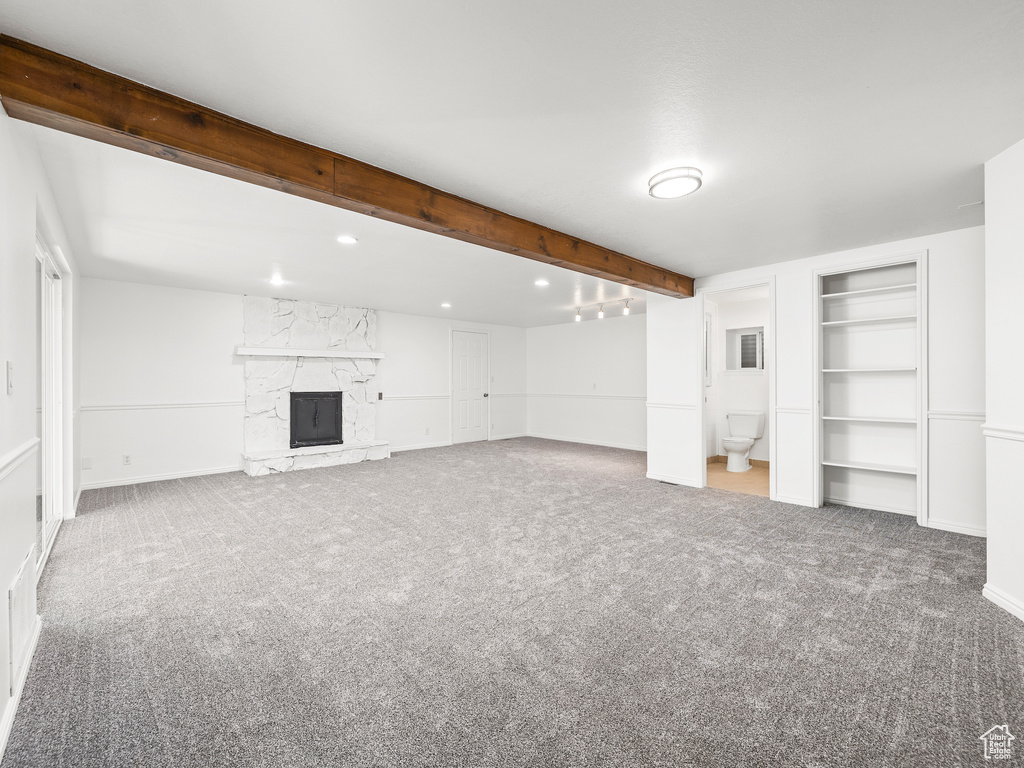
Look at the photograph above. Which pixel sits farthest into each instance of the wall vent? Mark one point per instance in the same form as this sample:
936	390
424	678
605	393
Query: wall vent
21	601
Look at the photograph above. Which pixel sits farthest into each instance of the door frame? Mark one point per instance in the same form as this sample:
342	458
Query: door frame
52	358
451	380
770	371
920	259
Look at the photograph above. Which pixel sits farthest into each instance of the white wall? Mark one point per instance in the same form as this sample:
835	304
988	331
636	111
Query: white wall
675	448
415	380
956	364
26	206
587	382
738	390
161	384
1004	427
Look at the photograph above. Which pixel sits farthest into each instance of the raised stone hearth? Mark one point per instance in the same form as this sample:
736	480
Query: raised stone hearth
282	339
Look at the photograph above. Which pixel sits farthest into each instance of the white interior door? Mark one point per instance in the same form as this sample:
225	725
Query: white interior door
469	386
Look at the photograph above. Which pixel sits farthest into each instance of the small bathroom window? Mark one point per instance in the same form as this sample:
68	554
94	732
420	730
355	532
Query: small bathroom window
744	349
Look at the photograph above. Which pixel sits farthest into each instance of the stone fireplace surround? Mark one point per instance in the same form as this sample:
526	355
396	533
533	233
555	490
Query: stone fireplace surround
299	346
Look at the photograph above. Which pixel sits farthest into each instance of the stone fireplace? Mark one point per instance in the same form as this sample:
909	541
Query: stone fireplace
298	346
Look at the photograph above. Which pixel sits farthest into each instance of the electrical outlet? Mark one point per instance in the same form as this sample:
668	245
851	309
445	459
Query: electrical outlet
428	430
126	459
87	462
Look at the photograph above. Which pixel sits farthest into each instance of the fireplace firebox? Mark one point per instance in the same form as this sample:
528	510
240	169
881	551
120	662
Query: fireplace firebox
316	419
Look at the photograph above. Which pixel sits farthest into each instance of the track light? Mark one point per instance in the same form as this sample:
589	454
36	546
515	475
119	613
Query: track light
600	308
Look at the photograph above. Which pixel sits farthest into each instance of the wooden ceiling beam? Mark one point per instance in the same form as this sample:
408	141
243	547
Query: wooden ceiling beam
46	88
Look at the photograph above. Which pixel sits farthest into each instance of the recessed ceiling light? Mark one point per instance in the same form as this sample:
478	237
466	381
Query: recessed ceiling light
675	182
446	305
347	239
276	279
542	282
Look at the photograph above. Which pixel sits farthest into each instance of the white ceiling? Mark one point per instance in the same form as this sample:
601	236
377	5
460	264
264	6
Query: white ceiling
819	126
141	219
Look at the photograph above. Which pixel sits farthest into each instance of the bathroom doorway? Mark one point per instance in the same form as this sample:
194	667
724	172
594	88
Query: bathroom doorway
737	389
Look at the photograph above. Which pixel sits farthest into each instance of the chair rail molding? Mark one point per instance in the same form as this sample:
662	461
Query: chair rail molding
161	406
1002	433
14	458
942	415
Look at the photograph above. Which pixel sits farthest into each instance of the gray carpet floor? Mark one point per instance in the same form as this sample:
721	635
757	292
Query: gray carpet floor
515	603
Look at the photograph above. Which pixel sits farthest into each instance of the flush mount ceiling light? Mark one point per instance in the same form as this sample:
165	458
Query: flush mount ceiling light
675	182
276	279
446	305
347	240
542	282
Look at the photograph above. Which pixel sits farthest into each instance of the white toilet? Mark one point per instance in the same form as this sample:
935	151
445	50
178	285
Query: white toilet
744	428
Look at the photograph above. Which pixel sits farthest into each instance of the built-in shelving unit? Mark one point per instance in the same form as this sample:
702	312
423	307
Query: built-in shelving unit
869	385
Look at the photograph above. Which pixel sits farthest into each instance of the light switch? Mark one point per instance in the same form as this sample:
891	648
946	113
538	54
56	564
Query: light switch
10	377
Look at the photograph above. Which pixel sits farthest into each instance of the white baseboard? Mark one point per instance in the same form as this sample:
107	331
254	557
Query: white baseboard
420	446
795	500
602	443
872	507
970	530
674	480
41	565
155	478
78	498
509	437
1004	601
7	721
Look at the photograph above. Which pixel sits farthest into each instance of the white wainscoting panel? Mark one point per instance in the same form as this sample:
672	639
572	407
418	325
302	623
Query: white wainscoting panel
1004	520
672	427
408	422
611	420
795	463
164	441
508	415
956	472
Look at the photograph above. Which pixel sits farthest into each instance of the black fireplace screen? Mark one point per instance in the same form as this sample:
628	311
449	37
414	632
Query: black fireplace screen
316	419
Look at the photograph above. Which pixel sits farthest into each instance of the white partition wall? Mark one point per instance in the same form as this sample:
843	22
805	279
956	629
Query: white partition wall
1004	426
675	448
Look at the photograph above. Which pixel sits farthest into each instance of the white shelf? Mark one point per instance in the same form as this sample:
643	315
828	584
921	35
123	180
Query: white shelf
870	321
871	291
890	468
288	352
871	419
867	370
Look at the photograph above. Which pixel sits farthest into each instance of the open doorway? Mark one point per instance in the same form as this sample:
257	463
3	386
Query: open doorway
737	335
